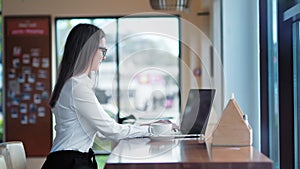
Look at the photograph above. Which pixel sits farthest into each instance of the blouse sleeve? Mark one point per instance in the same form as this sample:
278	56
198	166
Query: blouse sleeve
92	116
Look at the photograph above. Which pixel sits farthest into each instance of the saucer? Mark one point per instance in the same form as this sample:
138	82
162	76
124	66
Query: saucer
162	137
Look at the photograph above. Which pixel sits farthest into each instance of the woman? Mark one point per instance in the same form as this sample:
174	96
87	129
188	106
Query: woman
78	114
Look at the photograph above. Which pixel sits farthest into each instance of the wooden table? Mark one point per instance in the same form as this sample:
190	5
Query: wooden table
142	153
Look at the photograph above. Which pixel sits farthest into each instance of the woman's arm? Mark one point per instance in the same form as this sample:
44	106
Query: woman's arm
92	116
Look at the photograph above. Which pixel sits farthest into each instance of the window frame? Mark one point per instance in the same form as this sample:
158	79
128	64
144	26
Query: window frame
285	86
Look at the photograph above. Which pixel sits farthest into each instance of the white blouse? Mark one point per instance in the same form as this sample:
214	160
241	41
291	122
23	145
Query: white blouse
80	117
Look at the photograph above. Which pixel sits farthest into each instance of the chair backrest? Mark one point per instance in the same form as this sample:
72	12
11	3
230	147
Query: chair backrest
2	162
14	154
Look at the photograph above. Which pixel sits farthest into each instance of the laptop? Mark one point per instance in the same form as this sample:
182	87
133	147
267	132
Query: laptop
195	117
197	111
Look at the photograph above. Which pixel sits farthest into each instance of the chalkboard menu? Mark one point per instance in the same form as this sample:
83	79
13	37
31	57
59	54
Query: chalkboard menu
27	84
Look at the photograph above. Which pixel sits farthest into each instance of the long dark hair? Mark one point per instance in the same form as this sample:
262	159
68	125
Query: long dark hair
81	45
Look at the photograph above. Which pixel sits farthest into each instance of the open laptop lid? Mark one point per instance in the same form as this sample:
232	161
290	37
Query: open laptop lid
196	114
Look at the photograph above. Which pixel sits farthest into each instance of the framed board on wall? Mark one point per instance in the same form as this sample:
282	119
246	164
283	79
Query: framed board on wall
27	84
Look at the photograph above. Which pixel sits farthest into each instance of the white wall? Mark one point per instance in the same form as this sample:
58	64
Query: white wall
241	58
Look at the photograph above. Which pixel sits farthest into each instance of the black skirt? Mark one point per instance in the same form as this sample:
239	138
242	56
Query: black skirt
68	159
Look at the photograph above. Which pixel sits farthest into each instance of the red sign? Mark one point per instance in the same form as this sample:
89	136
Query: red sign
28	83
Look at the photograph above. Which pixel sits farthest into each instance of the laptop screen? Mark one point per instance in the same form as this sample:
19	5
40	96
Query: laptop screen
196	114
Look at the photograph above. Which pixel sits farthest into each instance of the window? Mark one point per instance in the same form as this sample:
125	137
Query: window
279	25
108	69
140	76
296	76
273	83
148	67
1	70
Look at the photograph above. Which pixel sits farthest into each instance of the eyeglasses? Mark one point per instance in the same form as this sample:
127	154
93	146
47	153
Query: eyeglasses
103	49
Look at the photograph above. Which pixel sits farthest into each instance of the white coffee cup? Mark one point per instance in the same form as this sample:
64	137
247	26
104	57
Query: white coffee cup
160	128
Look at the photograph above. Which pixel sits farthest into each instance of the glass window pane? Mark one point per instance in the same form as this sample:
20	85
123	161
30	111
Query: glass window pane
107	83
108	67
149	67
1	75
273	83
296	62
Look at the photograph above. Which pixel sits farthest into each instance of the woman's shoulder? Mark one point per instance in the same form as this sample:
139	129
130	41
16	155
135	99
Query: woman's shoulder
79	86
82	78
80	81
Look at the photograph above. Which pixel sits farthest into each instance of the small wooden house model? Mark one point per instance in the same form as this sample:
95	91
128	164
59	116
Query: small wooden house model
233	128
